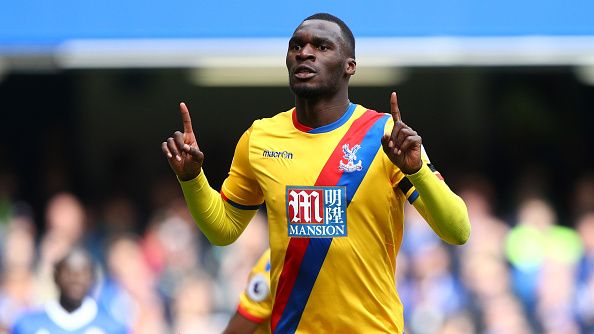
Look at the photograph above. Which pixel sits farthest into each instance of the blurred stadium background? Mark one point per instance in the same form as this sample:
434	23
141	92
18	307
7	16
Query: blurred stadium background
501	92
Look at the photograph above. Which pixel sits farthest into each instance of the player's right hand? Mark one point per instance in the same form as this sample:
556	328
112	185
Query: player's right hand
182	151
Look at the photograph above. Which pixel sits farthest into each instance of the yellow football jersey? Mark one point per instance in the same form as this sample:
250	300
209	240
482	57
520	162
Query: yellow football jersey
335	219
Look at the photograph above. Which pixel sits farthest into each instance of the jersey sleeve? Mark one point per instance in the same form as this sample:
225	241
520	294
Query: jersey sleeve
445	211
222	218
255	302
241	189
406	187
427	191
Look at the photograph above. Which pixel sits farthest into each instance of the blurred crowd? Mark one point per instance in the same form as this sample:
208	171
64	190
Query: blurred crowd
529	272
159	276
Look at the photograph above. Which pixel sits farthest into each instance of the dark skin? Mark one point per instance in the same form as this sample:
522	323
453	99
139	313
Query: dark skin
319	71
240	325
74	278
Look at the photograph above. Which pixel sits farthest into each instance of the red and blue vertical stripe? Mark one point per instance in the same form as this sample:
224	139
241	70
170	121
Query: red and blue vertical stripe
304	257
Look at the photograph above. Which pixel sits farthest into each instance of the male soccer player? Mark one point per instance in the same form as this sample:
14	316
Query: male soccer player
255	302
74	312
334	199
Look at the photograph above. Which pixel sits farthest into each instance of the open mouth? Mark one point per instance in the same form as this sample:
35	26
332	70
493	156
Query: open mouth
304	72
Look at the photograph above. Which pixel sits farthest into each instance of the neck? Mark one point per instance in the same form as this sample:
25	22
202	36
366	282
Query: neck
69	304
320	111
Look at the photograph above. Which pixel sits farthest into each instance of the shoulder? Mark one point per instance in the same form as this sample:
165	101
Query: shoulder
374	115
29	321
107	323
366	115
258	287
278	121
263	264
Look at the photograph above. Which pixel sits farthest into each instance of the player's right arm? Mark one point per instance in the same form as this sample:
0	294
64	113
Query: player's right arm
255	302
240	325
220	220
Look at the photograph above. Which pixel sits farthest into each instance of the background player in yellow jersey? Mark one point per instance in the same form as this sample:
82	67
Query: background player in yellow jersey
334	199
255	302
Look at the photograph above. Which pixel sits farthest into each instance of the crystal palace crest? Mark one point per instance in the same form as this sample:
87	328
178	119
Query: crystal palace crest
351	157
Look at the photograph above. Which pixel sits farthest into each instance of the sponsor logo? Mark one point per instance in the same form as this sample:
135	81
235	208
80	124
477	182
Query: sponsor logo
350	156
316	212
277	154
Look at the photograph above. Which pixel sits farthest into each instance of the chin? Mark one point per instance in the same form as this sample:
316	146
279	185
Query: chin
308	91
305	92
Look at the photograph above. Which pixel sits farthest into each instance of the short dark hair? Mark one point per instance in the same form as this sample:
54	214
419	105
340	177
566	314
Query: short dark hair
347	34
75	251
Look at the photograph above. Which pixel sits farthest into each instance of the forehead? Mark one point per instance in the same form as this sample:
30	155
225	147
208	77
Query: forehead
318	29
76	262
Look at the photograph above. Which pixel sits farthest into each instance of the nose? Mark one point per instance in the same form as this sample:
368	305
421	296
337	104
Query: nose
306	53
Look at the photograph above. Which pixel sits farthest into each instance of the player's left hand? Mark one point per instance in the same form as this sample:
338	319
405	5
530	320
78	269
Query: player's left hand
403	145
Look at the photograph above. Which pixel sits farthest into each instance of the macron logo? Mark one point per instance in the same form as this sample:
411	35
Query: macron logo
277	154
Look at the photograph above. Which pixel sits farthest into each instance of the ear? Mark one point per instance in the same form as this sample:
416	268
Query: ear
350	66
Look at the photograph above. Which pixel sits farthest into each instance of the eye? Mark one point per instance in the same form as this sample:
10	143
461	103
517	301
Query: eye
322	47
296	47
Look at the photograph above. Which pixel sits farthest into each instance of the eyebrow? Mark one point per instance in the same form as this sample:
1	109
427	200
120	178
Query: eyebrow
321	40
315	40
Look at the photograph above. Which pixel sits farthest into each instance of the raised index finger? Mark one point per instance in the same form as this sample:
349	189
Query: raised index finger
394	110
185	114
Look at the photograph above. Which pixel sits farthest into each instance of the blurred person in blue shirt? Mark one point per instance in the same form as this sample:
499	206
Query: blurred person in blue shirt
75	312
584	302
17	280
432	289
536	240
129	292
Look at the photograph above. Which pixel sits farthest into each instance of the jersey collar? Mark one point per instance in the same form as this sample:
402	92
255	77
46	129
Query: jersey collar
328	127
79	318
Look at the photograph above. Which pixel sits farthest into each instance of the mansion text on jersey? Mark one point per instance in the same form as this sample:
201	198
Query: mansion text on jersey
311	230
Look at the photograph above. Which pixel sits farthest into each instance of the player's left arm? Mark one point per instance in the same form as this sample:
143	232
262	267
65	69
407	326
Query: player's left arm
445	211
